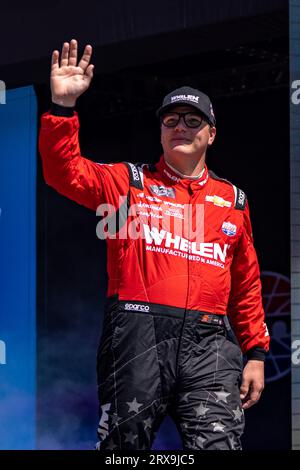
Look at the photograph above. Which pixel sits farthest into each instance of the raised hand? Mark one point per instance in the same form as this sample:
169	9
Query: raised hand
69	80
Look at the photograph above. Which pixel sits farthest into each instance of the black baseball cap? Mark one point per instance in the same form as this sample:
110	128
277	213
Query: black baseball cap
188	96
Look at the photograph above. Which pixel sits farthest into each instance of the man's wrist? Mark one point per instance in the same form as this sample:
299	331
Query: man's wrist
65	102
58	110
257	353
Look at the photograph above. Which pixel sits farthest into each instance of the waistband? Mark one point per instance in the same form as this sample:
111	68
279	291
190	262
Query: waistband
135	306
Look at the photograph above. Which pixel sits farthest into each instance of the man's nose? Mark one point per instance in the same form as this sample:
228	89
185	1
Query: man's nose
180	125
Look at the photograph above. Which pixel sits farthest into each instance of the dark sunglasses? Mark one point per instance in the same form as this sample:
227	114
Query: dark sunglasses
190	119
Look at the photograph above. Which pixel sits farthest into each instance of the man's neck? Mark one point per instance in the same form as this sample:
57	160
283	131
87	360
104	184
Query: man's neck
186	168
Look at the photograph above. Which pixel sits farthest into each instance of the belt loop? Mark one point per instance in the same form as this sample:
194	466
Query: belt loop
226	323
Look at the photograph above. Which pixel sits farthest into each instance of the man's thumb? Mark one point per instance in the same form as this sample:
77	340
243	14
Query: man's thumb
90	71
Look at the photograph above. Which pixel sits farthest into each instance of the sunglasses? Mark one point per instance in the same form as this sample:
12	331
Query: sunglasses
192	120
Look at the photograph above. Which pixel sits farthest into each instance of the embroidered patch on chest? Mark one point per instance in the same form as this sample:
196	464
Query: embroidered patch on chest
229	229
163	191
218	201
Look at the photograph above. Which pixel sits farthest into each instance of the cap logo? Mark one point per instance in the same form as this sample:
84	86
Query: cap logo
193	98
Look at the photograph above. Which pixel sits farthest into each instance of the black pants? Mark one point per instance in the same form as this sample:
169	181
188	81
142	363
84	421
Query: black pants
154	360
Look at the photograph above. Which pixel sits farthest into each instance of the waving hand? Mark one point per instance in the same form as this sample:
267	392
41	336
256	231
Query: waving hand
68	79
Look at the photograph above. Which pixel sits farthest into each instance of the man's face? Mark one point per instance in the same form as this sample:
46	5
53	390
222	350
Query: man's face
185	140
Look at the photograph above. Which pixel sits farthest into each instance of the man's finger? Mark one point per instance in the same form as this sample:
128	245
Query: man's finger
54	60
86	57
250	402
253	398
73	52
244	389
90	71
247	404
65	55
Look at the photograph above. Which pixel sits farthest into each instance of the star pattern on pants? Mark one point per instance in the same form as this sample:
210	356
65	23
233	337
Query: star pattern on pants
222	396
200	441
218	426
201	410
111	445
163	407
148	423
130	437
238	413
115	419
185	397
134	406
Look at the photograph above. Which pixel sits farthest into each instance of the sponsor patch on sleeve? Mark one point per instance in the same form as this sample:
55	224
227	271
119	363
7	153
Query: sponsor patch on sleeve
229	229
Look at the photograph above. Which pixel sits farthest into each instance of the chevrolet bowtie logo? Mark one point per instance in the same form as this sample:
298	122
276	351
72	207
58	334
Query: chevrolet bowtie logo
218	201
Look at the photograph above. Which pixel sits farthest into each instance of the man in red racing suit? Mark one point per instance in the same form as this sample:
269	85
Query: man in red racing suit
184	295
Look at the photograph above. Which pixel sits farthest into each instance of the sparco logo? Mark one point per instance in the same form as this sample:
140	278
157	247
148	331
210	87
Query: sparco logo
192	98
134	172
241	197
137	307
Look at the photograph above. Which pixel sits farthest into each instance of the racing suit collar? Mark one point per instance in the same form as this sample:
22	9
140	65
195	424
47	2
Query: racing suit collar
181	175
170	175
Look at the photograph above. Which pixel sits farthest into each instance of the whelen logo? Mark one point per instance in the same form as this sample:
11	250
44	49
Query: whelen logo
193	98
137	307
206	250
172	177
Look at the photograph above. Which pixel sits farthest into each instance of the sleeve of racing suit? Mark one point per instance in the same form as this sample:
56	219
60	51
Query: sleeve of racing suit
245	308
66	170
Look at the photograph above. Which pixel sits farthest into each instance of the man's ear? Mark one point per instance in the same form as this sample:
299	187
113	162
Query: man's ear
212	134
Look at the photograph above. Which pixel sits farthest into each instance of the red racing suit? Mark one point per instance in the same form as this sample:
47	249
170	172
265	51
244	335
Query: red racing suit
215	272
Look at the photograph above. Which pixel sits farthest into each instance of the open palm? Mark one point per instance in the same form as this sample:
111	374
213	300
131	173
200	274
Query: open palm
68	79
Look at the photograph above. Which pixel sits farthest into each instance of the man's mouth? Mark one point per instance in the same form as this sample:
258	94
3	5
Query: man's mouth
182	140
